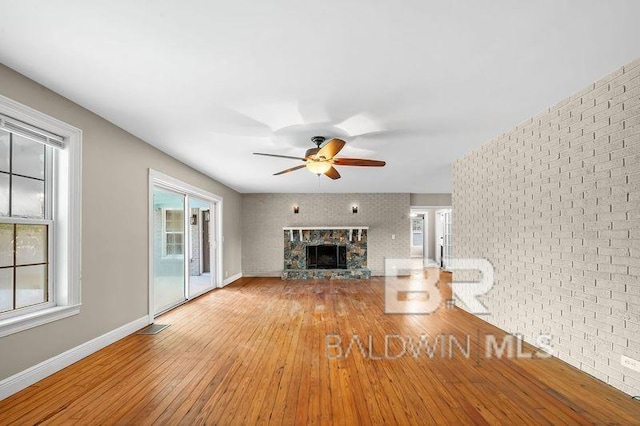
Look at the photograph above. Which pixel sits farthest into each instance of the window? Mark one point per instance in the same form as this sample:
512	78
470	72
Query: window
417	228
173	232
39	218
24	249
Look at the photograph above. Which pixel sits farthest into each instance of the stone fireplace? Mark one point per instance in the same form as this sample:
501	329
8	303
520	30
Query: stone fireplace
331	252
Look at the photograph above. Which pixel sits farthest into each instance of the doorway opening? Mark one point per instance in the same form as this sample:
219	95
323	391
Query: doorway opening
431	235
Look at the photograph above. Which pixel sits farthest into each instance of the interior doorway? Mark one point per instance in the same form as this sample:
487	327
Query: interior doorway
433	234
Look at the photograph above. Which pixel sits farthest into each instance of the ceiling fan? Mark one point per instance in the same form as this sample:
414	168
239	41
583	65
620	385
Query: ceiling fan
322	160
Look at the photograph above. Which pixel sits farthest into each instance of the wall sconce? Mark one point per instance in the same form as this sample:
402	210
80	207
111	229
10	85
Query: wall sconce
296	209
207	216
194	219
354	209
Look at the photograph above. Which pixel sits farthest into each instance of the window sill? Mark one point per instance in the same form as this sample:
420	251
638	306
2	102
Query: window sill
35	319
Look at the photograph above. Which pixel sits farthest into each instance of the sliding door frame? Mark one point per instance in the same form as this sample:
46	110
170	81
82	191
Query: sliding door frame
160	180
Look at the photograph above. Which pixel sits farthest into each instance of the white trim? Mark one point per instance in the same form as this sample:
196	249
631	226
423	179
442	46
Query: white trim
31	375
150	308
180	186
33	319
216	268
231	279
66	260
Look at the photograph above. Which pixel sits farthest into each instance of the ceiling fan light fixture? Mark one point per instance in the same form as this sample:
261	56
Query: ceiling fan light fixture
318	167
322	159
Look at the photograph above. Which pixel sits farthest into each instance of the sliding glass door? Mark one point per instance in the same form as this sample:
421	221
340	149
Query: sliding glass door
183	246
169	224
201	246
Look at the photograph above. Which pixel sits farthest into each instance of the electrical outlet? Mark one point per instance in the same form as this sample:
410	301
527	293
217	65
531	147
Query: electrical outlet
393	236
226	274
630	363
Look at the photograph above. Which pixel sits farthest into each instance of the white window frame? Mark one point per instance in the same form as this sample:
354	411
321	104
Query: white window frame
165	232
65	192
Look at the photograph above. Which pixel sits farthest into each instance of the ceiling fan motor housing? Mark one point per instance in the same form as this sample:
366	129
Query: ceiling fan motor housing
318	140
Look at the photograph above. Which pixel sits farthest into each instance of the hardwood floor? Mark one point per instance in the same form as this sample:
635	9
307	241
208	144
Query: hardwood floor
257	351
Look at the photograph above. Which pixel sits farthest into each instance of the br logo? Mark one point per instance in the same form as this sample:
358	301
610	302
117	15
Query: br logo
409	291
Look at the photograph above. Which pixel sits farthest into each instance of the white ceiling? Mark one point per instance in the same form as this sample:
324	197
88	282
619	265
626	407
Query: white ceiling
422	82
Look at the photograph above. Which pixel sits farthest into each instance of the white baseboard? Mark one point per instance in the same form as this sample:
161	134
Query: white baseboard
231	279
274	274
31	375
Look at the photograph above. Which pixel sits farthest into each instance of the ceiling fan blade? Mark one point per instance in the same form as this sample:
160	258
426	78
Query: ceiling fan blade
331	148
290	170
279	156
358	162
332	173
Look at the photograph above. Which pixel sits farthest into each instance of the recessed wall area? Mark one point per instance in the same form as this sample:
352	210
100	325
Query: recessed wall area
553	204
265	215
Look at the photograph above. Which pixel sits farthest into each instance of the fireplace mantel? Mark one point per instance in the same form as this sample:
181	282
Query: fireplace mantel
292	230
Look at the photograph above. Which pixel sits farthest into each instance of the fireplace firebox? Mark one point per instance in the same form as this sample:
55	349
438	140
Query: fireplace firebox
326	256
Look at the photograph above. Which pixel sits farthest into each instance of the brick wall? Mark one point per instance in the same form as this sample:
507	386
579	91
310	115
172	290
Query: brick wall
554	204
264	216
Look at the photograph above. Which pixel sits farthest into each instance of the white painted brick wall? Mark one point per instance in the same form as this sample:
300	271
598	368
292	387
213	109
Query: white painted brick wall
554	204
264	216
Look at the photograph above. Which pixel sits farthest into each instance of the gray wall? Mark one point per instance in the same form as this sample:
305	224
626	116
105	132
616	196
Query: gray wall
554	205
430	200
114	230
264	216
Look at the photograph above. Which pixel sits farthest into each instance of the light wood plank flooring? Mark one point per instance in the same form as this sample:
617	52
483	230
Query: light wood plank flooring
256	352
